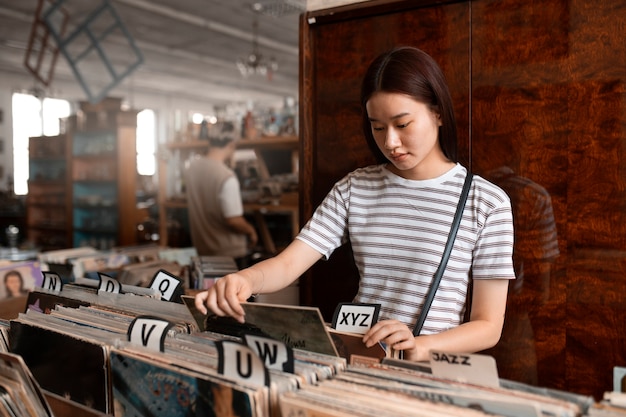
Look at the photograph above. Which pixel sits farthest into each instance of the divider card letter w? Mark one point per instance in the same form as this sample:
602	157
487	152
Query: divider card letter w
149	332
274	353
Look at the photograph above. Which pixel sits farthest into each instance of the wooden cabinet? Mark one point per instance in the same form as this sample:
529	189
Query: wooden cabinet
538	88
47	217
265	207
104	181
82	184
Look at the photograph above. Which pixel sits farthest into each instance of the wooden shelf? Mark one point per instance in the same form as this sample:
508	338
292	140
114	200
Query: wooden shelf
261	142
269	142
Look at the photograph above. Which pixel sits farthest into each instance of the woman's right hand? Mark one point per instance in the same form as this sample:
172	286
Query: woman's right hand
225	296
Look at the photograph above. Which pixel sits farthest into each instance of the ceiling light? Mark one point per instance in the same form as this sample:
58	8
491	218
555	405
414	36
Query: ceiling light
255	63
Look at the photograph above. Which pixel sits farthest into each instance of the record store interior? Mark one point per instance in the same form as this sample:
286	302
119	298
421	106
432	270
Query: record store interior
259	208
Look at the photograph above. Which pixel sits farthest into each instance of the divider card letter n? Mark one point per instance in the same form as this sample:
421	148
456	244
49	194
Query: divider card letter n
52	282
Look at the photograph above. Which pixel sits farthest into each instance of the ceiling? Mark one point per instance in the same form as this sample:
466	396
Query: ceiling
184	48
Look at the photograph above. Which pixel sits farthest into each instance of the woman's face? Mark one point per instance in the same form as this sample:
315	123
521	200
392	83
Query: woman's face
13	284
407	133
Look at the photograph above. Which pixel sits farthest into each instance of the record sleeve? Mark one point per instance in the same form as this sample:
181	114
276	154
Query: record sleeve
70	366
175	392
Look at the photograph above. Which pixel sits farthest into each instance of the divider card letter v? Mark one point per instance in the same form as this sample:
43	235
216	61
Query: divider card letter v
149	332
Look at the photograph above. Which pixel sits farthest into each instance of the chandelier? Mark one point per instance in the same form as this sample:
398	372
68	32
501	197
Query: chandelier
255	63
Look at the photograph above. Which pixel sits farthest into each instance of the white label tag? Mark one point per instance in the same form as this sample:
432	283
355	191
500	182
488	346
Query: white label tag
274	353
51	281
355	317
109	284
166	284
149	332
241	364
464	367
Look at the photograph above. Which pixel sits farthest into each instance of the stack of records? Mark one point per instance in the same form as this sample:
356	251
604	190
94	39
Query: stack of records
206	269
20	394
409	392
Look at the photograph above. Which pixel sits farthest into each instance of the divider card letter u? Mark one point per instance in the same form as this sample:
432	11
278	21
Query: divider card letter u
240	364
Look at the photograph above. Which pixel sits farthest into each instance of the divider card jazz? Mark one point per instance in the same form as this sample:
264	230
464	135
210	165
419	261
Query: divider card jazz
464	367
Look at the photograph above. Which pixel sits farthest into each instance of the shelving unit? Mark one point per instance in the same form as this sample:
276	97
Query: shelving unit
103	186
171	194
47	217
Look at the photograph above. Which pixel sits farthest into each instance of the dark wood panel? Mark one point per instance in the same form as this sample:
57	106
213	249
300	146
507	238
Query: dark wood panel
548	102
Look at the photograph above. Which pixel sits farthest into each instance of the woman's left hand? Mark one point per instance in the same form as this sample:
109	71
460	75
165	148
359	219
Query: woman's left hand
395	335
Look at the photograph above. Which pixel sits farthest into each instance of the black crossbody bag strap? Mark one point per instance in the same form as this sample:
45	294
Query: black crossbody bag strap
446	254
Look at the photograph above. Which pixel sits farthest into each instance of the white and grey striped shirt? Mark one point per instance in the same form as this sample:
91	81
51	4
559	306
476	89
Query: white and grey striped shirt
398	230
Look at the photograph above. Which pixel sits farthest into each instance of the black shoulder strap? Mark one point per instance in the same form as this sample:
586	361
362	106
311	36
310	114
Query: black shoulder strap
446	254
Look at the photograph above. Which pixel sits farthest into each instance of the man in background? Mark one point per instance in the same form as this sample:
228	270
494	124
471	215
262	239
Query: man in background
218	226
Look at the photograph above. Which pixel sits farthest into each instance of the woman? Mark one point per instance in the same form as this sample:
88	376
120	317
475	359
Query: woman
14	284
397	216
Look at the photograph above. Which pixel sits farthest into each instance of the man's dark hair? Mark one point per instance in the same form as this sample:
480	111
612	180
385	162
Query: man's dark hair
222	133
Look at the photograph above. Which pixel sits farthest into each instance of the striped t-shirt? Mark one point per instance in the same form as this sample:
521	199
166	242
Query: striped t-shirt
398	230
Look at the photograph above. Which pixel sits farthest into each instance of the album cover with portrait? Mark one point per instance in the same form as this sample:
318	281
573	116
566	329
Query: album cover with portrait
18	278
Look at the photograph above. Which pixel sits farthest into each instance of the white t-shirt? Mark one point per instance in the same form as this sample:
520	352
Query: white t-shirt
230	198
398	230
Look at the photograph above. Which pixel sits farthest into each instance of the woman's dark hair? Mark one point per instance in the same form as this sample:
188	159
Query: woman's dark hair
412	72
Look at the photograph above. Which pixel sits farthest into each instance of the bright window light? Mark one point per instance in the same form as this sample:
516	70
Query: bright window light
32	117
146	142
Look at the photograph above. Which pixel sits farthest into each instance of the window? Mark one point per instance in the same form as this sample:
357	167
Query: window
36	117
146	142
32	117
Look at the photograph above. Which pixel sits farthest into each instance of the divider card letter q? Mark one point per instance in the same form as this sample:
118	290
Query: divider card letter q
169	285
